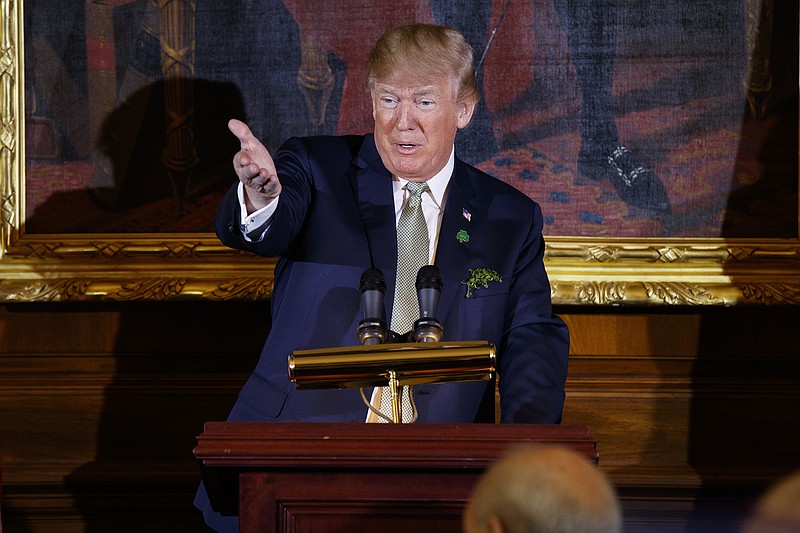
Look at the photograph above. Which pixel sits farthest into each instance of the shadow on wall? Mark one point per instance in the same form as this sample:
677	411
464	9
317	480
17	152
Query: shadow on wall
139	181
178	365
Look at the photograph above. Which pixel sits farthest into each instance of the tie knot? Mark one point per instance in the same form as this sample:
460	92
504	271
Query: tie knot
416	188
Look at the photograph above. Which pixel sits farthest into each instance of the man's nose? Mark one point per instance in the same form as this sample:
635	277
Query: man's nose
406	119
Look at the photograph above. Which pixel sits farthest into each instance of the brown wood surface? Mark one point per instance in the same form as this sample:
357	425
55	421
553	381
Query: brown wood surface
694	411
385	476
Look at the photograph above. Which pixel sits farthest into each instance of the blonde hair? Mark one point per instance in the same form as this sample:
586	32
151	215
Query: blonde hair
424	52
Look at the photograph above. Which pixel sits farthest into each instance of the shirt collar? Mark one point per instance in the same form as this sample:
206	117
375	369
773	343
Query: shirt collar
438	183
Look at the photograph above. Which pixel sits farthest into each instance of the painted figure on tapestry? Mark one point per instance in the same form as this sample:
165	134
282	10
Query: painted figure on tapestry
625	119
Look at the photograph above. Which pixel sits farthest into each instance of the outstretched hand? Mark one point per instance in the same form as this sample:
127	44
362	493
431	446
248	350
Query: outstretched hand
254	166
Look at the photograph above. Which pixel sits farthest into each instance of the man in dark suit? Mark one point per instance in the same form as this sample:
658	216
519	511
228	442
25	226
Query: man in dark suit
328	208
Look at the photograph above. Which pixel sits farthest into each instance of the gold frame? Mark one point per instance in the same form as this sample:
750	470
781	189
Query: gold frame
111	267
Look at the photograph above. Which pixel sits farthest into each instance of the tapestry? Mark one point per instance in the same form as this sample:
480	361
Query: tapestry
621	118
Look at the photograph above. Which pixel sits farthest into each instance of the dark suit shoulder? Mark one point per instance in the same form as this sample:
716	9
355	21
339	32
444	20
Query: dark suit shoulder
485	185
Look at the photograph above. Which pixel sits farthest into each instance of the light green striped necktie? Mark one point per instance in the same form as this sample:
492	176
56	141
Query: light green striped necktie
412	254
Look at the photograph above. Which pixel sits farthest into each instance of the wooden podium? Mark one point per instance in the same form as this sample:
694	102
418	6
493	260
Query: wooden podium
325	478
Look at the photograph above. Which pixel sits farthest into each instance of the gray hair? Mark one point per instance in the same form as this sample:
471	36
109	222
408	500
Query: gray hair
546	489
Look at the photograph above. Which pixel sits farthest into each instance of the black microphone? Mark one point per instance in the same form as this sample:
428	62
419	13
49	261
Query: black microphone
429	288
372	329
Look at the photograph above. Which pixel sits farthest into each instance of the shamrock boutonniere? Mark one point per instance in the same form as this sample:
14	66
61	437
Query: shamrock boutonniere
480	277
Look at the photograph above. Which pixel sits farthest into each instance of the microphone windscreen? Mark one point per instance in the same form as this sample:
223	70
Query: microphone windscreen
429	277
372	279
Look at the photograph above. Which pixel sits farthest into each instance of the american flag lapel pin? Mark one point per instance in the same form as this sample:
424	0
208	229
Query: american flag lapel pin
466	214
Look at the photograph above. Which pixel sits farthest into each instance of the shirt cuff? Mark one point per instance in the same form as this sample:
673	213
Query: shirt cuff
255	225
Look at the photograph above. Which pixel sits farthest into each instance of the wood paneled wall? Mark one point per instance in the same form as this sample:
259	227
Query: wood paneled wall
694	410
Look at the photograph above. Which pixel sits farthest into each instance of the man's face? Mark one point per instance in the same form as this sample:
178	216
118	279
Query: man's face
415	125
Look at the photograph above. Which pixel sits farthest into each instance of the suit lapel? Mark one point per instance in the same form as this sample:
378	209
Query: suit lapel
452	254
372	185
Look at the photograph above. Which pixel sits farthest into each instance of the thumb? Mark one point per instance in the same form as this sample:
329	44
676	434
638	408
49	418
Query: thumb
241	130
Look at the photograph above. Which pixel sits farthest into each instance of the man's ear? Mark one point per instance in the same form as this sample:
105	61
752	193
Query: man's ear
466	108
494	525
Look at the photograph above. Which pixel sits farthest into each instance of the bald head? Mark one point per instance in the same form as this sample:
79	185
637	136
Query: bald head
778	509
543	489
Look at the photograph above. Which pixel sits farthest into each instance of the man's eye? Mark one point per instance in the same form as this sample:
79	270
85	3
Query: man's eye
425	104
388	102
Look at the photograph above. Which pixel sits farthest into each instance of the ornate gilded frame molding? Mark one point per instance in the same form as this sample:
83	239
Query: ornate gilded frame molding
117	267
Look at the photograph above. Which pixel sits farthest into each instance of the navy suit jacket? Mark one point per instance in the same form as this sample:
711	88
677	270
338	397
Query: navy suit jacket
335	217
